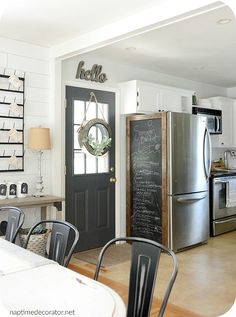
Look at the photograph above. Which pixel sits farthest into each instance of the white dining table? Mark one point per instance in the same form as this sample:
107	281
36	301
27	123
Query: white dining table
14	258
35	286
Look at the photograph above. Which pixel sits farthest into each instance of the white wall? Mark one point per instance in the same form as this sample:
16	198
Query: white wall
117	73
231	92
34	62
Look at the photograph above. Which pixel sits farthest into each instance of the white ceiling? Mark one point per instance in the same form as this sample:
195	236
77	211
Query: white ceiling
197	48
51	22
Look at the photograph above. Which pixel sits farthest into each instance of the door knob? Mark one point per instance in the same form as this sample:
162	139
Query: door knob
112	180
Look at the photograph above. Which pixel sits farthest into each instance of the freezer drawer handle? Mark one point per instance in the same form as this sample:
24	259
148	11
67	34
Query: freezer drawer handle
190	200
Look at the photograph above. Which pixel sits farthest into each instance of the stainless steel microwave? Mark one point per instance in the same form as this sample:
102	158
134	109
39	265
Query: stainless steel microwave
213	116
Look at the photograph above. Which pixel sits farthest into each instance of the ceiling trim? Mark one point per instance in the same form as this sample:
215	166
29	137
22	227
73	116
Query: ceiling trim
153	18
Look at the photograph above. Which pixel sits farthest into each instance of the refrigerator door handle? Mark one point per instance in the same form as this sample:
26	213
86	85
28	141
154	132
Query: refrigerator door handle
207	169
186	200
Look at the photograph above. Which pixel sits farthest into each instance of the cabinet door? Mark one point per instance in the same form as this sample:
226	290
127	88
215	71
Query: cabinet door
143	97
226	138
170	101
148	98
155	99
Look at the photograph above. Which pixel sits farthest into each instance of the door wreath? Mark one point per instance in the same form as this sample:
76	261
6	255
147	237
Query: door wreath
95	135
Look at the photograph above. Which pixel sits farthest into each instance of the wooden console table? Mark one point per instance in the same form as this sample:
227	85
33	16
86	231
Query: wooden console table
31	202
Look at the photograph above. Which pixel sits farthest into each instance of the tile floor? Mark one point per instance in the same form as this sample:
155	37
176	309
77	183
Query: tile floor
206	282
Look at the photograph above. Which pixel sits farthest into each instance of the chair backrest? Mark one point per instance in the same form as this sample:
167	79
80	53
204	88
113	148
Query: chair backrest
15	221
64	237
145	256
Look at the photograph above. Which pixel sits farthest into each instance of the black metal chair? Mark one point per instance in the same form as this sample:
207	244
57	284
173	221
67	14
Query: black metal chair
145	256
64	237
15	221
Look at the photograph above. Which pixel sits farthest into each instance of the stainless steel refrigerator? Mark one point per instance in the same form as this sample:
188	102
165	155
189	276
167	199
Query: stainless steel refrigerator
188	169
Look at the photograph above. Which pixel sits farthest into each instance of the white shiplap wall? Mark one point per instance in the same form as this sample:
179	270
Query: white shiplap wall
34	62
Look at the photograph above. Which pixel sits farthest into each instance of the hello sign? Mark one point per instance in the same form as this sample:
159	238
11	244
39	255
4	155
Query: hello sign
95	74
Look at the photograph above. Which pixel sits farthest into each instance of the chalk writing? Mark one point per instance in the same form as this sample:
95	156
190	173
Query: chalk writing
146	179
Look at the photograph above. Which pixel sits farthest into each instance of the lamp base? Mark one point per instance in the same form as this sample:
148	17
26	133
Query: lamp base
39	187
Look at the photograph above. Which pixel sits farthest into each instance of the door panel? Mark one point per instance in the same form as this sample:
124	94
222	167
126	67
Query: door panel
188	153
189	220
90	196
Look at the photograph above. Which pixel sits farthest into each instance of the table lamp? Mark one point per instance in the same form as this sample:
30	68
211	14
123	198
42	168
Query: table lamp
38	141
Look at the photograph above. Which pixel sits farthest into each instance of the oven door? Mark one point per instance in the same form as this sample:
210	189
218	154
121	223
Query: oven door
219	209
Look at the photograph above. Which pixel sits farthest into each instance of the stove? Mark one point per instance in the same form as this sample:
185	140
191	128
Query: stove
222	201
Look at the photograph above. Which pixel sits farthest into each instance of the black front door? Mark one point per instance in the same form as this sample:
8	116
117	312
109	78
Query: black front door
90	187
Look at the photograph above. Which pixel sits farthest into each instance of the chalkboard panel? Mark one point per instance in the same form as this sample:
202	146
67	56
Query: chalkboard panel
146	178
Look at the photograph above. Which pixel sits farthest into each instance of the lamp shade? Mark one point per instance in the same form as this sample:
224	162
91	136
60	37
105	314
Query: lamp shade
39	139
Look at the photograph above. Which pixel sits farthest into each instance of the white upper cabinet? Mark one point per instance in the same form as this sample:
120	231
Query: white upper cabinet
143	97
227	106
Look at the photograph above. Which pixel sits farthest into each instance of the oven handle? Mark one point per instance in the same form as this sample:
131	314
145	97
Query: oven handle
221	182
223	221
